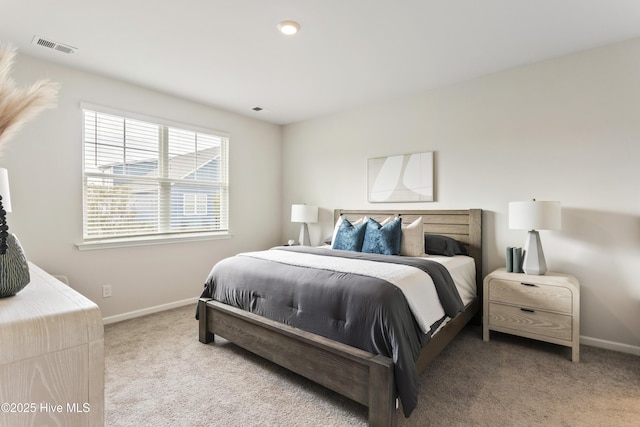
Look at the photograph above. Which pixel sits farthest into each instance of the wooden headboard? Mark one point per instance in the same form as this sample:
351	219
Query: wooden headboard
462	225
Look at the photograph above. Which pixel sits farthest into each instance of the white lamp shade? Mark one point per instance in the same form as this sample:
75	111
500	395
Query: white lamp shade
4	189
304	213
535	215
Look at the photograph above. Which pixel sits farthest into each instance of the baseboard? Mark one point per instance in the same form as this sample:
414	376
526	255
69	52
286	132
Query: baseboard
610	345
594	342
150	310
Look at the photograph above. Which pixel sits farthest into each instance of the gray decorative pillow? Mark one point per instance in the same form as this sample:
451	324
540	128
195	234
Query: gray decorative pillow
436	244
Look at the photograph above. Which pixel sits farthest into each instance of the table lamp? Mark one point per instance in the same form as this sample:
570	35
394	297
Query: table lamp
534	215
304	214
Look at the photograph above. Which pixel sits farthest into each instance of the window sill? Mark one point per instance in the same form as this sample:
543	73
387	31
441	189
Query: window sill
150	240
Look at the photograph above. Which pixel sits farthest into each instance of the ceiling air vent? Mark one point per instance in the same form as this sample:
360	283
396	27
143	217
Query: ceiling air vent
39	41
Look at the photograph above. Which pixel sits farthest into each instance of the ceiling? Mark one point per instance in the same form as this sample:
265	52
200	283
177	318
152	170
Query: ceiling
229	54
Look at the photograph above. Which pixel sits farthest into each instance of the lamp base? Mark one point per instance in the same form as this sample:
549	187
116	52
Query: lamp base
304	235
534	262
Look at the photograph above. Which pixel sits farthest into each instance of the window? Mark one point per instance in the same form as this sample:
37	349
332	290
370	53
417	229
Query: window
194	204
143	178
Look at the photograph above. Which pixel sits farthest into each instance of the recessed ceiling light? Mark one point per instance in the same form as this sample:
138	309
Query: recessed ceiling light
289	27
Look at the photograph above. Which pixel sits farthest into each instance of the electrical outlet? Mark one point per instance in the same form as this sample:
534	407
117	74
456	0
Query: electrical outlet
106	291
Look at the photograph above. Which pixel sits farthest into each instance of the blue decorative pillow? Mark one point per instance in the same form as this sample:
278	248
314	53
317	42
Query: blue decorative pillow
349	237
383	239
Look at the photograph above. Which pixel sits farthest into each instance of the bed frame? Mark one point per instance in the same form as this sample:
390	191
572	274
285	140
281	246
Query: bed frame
361	376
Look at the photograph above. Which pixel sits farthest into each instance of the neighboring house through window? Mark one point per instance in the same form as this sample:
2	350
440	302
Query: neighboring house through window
145	177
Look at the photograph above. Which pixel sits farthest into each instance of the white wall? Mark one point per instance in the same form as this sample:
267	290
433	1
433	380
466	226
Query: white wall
566	129
45	168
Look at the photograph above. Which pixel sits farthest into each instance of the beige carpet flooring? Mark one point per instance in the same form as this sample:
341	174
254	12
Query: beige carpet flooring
157	373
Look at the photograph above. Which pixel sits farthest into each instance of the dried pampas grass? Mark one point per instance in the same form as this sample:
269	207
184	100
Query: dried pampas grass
19	105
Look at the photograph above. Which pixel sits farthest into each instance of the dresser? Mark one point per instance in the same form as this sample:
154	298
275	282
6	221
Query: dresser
545	307
51	356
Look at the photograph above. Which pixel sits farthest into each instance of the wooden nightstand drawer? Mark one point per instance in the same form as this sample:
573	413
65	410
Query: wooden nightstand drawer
532	321
531	295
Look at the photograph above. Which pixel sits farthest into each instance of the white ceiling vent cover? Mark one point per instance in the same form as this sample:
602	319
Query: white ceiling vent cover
39	41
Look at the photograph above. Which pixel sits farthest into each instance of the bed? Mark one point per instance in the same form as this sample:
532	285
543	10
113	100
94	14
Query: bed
363	376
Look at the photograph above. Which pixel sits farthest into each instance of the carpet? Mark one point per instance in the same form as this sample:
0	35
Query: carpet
157	373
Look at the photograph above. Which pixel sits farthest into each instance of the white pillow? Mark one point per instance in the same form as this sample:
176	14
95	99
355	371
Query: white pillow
386	221
412	243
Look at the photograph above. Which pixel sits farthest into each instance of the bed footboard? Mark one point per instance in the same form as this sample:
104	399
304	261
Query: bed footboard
361	376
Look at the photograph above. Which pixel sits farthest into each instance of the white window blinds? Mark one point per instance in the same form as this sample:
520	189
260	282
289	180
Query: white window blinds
143	178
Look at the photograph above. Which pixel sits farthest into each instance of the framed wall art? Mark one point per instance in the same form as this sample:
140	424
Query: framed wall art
402	178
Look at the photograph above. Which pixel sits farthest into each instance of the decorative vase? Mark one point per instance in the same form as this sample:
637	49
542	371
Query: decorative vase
14	270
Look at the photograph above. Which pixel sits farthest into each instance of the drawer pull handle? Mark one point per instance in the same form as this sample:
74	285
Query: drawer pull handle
528	310
528	284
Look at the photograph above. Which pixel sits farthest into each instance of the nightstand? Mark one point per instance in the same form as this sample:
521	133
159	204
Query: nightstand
545	308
